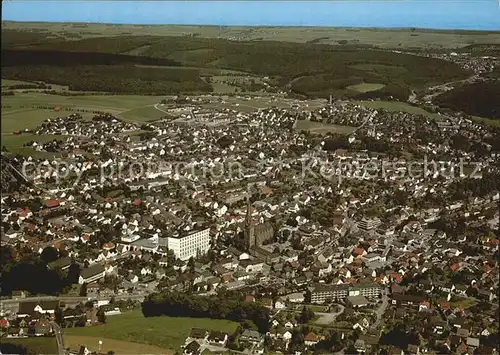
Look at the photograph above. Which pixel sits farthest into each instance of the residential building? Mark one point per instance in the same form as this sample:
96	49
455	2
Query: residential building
190	245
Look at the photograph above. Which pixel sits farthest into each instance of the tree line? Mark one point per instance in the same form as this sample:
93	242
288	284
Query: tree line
174	304
31	272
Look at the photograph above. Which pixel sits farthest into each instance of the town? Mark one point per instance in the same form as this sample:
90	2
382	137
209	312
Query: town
378	234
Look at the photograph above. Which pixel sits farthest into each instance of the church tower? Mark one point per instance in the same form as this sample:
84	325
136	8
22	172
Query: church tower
249	227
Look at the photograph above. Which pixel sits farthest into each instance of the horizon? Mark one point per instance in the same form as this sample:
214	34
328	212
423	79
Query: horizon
477	15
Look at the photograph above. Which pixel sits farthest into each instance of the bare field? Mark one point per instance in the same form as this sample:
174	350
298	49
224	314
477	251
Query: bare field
386	38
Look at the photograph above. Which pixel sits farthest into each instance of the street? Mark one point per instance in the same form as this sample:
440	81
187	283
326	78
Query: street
381	309
59	338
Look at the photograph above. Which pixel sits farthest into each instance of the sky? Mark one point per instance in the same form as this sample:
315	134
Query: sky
437	14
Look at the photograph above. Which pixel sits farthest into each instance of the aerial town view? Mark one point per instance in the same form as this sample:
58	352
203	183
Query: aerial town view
250	177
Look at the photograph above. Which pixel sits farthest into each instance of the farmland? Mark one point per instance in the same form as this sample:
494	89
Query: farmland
165	332
118	346
388	38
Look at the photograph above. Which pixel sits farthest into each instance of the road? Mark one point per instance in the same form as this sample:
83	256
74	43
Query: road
59	338
381	309
12	305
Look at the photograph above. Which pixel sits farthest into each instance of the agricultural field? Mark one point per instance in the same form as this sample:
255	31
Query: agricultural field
6	83
397	106
118	346
365	87
24	110
34	345
165	332
388	38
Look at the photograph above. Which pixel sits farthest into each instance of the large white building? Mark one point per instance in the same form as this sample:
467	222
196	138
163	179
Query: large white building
191	245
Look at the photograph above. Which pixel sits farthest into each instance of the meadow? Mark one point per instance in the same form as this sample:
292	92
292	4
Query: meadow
164	332
118	346
25	110
322	128
396	106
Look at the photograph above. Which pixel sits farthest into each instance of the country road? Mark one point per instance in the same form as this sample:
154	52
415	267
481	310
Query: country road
12	305
59	338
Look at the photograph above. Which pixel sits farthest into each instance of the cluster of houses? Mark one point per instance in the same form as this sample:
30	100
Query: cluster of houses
204	208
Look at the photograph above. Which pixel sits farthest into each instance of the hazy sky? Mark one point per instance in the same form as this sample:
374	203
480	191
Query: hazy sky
455	14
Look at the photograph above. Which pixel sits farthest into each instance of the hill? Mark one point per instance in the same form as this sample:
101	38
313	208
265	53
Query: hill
480	99
116	64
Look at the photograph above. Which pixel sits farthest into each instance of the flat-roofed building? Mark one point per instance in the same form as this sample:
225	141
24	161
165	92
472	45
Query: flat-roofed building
190	245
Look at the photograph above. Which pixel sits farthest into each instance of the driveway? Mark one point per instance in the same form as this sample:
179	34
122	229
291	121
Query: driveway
328	318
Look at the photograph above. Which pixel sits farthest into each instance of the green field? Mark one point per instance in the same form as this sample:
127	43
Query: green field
392	38
165	332
38	345
6	83
397	106
23	111
322	128
366	87
118	346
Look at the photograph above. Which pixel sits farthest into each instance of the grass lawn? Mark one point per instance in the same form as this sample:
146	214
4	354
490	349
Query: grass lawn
165	332
397	106
142	114
118	346
322	128
316	308
486	121
366	87
35	345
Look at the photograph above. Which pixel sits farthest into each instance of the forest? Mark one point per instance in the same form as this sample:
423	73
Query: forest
480	99
30	272
310	69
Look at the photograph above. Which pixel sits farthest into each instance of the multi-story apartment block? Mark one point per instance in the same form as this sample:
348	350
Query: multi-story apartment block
369	224
322	292
367	289
191	245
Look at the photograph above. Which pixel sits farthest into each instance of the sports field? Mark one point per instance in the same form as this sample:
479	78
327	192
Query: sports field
164	332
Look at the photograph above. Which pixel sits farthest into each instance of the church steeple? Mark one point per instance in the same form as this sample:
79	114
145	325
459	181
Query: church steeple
249	226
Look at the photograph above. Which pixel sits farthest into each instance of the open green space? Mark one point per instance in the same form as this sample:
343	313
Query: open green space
34	345
118	346
6	83
165	332
30	110
397	106
366	87
322	128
